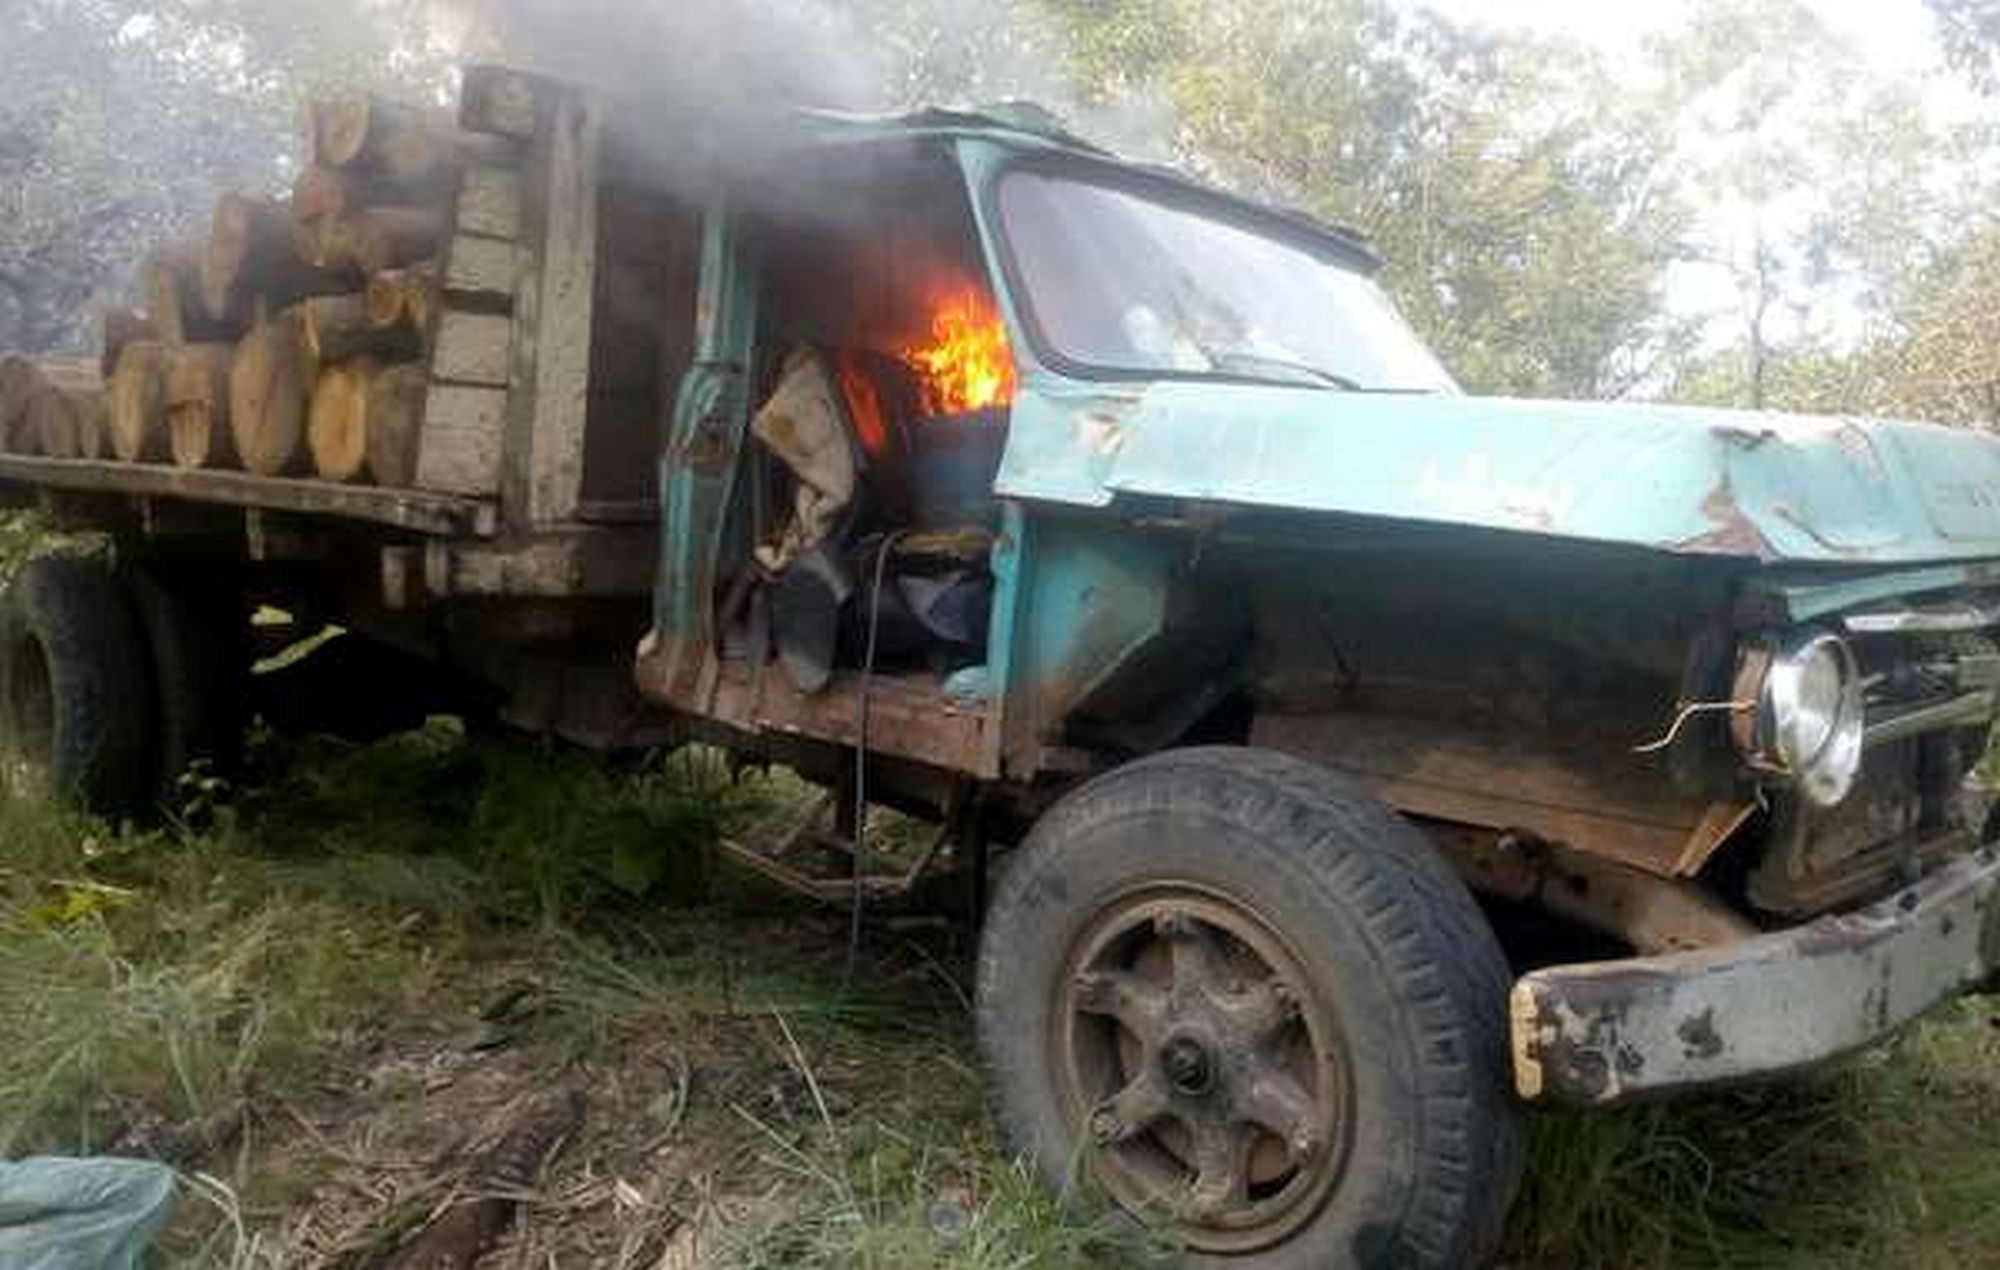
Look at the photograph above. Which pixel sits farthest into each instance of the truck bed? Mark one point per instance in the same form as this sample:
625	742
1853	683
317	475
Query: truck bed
415	510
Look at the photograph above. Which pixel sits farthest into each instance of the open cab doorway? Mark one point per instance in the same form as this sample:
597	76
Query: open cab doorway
850	405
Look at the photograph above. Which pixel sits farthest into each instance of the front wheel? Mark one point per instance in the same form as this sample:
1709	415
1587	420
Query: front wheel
1254	1005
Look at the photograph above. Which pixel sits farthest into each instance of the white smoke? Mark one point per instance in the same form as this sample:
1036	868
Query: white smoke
730	72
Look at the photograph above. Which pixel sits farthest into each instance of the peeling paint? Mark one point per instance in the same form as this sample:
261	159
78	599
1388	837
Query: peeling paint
1605	1032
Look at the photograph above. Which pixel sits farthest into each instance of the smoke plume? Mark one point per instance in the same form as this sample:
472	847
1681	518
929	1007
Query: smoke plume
722	78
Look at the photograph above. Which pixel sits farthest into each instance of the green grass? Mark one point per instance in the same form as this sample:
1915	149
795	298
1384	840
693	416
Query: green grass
396	945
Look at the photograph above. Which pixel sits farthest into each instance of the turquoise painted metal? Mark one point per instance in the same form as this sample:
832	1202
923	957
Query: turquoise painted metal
1837	511
1776	488
711	418
1763	486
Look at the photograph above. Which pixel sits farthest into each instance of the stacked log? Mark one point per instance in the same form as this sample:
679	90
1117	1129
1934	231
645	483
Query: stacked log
337	423
292	339
308	334
394	417
196	394
137	405
52	409
270	380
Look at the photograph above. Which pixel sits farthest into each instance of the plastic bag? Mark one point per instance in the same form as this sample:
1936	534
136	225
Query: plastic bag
96	1214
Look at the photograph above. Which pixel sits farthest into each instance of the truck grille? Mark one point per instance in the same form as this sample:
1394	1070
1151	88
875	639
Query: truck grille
1931	681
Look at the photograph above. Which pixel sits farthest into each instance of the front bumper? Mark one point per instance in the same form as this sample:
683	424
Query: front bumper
1607	1032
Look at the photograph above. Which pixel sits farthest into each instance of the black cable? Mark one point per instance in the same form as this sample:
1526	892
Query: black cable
861	764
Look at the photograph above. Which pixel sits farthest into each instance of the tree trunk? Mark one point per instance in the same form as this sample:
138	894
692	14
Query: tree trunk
395	422
268	384
136	403
197	403
337	430
337	327
373	135
373	240
121	327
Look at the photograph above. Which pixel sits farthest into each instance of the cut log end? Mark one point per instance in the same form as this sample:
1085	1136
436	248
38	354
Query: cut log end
197	405
20	381
403	297
269	382
373	135
337	427
136	403
119	328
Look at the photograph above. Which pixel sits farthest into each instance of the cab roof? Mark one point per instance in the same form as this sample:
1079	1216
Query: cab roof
1032	128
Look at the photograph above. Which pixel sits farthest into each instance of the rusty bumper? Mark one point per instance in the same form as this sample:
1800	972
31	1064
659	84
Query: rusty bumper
1606	1032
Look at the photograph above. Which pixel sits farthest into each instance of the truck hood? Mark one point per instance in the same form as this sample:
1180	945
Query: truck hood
1764	486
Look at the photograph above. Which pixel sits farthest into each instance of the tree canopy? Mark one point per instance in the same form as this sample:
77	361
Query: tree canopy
1747	212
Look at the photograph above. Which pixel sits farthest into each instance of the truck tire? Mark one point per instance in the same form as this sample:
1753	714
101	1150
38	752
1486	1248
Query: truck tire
198	639
76	705
1256	1006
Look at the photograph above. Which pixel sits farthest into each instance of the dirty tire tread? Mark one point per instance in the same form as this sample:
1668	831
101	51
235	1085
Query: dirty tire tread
1429	940
103	705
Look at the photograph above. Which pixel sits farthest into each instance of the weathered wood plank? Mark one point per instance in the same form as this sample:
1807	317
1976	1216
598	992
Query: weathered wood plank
504	102
462	440
489	202
414	510
481	267
473	348
560	340
572	562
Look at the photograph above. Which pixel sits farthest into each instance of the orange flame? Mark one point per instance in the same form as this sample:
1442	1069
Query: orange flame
968	364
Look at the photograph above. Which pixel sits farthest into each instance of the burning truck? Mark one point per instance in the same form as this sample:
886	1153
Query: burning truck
1358	763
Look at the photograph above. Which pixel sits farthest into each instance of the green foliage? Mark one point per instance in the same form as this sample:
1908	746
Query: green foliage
1971	33
1887	1162
123	119
158	983
1516	198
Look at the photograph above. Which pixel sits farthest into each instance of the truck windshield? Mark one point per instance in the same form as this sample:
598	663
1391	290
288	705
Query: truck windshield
1127	284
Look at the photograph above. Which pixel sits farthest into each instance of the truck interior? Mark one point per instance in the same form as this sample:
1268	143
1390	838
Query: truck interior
861	526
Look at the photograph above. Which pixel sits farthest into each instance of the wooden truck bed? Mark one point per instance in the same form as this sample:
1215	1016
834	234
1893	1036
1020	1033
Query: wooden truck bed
417	511
560	292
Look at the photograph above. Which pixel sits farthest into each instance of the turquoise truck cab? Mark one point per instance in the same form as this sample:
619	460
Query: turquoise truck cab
1212	591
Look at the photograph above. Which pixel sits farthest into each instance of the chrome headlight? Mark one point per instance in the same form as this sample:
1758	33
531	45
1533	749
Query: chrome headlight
1809	720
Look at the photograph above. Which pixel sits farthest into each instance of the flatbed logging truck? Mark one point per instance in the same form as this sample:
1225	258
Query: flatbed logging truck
1362	762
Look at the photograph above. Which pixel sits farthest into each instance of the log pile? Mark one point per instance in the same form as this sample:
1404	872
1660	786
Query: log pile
55	409
361	326
295	338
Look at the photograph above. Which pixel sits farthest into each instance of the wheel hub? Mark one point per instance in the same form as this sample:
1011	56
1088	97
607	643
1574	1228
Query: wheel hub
1211	1082
1189	1066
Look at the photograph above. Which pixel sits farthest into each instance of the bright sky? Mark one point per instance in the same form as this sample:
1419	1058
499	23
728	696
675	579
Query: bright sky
1898	39
1897	35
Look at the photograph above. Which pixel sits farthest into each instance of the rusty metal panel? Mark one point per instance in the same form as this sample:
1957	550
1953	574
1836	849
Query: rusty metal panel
1607	1032
1631	813
1680	479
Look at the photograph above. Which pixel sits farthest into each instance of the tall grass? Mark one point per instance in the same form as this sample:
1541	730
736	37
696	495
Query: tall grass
155	982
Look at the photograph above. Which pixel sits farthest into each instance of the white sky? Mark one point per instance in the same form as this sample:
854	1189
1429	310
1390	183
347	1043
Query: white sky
1899	36
1897	39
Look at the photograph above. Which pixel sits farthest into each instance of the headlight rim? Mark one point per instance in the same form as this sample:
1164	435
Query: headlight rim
1826	775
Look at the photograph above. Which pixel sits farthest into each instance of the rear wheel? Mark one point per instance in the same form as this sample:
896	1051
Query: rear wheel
76	702
1260	1010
